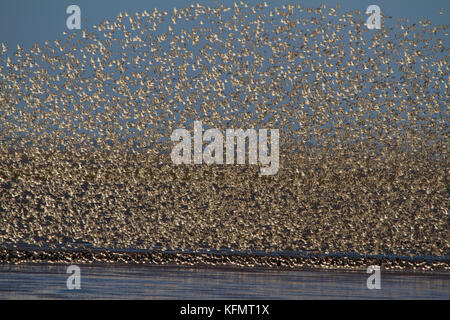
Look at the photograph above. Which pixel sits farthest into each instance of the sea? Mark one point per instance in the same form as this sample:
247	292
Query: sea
123	281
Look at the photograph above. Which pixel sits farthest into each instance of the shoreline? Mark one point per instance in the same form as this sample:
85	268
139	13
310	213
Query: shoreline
220	260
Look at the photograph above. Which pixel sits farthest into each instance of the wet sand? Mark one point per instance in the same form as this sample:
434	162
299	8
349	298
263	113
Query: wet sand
115	281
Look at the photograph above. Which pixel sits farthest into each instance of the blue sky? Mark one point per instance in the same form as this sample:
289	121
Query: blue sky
26	22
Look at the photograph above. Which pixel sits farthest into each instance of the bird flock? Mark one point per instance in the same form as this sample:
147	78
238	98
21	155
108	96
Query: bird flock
85	124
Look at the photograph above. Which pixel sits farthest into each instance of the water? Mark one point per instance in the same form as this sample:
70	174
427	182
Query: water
30	281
